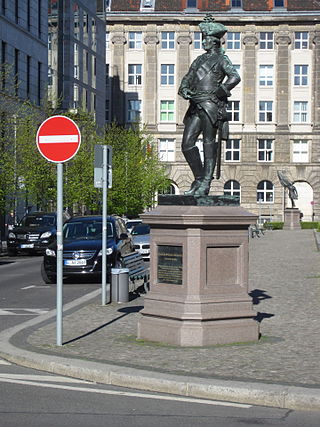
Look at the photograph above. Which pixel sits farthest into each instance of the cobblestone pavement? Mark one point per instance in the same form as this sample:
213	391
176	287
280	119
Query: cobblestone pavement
285	285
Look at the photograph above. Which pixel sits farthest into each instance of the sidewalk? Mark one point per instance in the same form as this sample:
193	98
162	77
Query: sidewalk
282	369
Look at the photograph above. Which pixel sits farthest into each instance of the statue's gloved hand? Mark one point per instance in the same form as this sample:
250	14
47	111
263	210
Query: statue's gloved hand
222	93
186	93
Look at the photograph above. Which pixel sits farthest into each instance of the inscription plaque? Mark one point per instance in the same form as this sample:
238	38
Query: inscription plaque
170	264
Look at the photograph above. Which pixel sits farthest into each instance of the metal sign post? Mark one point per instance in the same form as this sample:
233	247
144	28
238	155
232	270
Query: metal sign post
58	140
59	251
103	178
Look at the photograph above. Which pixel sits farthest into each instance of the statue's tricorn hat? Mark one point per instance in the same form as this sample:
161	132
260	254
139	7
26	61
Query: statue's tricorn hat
211	28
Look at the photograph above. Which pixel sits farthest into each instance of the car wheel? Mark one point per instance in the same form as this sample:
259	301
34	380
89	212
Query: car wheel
47	278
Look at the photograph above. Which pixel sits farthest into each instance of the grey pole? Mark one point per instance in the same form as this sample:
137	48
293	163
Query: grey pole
104	228
59	250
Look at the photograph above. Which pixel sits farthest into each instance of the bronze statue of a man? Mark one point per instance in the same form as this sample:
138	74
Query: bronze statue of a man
207	86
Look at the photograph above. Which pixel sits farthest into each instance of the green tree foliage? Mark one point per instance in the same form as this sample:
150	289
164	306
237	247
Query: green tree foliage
137	172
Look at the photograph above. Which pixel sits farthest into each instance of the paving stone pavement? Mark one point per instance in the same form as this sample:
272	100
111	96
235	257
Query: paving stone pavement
285	285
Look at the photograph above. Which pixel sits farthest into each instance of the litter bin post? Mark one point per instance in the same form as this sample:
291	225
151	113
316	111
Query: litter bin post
120	284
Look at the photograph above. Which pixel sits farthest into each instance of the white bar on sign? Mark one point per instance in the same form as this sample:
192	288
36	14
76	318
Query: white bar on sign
56	139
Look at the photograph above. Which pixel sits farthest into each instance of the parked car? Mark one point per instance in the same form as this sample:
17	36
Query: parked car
82	247
141	240
131	223
33	233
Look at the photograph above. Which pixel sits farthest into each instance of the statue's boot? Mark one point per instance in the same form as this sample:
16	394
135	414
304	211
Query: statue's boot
192	156
209	151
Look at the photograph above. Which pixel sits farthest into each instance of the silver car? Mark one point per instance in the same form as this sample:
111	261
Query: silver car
141	240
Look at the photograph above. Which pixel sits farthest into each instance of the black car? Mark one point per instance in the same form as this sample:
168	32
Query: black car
82	247
33	234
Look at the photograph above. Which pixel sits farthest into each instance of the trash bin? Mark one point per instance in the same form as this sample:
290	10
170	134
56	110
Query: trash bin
119	284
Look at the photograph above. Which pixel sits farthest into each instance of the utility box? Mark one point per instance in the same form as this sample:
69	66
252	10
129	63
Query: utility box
119	284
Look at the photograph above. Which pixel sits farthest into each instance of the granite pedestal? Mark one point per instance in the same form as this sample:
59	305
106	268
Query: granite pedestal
291	219
199	276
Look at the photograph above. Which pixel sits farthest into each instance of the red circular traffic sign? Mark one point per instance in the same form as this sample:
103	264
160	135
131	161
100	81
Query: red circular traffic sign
58	139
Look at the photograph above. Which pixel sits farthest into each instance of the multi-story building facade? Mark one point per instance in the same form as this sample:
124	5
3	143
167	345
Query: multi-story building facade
274	113
76	52
24	66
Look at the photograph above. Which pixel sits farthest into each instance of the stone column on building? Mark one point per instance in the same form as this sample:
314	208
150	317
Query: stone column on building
183	63
316	82
283	80
249	81
150	77
117	74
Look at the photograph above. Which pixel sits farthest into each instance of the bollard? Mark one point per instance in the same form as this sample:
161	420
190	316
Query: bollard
119	284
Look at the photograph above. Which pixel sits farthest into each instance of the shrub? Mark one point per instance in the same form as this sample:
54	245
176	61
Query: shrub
307	225
273	225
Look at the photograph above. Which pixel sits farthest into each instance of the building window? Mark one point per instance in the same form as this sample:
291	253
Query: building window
265	150
265	192
16	71
236	3
75	96
167	111
135	74
232	188
16	11
28	82
167	40
107	75
278	3
265	111
39	18
197	40
50	78
301	40
233	41
232	153
266	40
300	151
39	82
135	40
167	74
233	111
107	110
266	76
108	40
167	149
134	110
301	75
300	111
192	4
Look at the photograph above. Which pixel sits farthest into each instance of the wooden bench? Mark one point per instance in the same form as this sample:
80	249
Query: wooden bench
137	269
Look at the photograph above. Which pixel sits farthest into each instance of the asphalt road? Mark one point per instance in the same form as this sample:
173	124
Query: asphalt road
32	398
23	294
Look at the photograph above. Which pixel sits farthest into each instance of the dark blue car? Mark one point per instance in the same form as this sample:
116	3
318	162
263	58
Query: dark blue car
82	247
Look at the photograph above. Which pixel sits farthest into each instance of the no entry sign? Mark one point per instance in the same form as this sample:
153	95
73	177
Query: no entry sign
58	139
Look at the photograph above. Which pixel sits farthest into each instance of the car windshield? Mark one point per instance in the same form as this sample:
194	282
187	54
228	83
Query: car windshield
38	221
86	230
131	224
141	229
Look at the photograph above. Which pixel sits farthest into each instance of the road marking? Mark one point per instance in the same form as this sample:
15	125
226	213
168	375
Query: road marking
22	311
28	287
127	394
4	362
49	378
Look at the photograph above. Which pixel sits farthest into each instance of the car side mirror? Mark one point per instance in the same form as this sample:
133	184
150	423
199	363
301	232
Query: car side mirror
123	236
